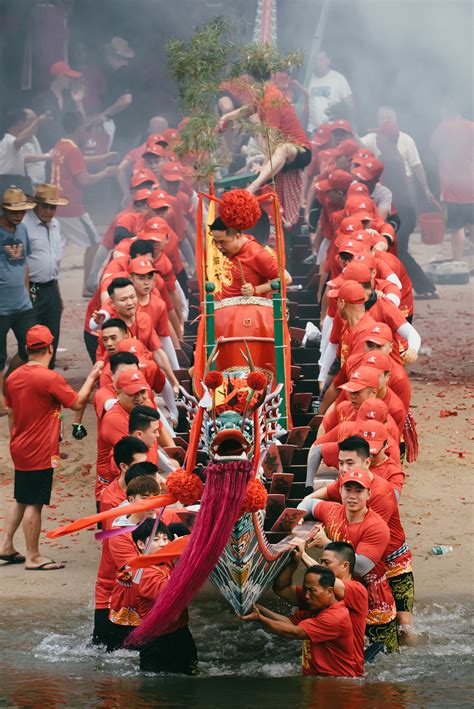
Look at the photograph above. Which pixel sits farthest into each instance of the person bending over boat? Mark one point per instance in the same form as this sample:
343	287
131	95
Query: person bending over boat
339	557
324	626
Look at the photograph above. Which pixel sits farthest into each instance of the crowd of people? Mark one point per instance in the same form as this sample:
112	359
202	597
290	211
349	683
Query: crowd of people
356	195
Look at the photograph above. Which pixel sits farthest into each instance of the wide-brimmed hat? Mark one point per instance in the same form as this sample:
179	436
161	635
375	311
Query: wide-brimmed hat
121	48
16	200
49	194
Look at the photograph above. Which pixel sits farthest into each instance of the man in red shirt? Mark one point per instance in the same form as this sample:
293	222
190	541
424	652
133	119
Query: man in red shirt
251	267
128	451
34	396
339	557
69	172
354	522
325	627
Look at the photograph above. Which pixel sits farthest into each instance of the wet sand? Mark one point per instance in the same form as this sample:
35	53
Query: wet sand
437	497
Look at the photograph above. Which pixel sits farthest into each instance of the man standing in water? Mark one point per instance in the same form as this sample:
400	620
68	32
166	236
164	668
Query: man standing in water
325	627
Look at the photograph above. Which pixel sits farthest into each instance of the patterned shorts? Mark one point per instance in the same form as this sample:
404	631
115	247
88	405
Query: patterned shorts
403	591
385	633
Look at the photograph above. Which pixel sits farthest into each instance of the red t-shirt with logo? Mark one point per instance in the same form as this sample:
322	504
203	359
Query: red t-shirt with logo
329	650
276	111
370	538
258	266
157	310
142	329
67	163
36	394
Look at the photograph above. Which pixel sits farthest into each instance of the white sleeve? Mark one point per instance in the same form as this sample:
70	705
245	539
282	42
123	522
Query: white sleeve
408	332
393	278
411	151
394	298
370	141
92	323
328	359
325	333
363	565
385	198
344	88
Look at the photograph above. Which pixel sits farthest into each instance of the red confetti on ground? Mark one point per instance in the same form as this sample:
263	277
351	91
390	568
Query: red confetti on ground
444	413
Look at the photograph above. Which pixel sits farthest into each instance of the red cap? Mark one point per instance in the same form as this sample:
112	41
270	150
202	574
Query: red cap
38	337
322	135
356	204
375	433
141	266
131	344
156	229
347	148
337	180
347	245
156	139
356	475
359	189
159	199
371	409
154	150
380	334
141	194
341	124
141	176
361	378
348	226
63	69
362	155
378	360
356	271
350	291
131	381
171	171
170	134
371	169
366	257
362	236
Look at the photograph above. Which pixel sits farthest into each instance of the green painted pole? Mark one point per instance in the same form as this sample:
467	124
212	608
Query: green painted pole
209	315
278	315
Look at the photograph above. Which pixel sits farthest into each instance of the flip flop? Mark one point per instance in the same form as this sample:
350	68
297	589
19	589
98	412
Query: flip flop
15	558
47	566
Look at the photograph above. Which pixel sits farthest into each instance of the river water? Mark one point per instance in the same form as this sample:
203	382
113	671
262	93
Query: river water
47	661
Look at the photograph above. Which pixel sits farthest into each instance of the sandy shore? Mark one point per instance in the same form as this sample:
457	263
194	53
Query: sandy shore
437	498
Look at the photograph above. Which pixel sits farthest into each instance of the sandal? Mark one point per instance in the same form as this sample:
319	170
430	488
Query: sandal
46	566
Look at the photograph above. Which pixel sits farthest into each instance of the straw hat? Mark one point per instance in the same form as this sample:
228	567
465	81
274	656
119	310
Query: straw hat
49	194
15	200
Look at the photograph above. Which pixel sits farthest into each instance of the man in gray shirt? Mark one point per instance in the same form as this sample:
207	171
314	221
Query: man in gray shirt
16	311
44	259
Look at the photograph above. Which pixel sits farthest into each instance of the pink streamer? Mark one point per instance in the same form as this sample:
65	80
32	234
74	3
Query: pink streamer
221	504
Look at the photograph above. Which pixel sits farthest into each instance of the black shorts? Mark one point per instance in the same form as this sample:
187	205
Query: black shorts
302	160
459	215
20	322
403	591
174	652
33	487
385	633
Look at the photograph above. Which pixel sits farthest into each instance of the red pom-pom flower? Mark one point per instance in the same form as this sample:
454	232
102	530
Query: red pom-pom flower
213	379
255	497
186	487
257	381
239	209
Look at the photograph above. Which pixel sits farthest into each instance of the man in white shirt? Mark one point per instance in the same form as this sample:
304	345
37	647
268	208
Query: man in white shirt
21	124
326	89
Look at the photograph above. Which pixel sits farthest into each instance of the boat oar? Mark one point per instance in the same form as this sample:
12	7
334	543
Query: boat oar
168	553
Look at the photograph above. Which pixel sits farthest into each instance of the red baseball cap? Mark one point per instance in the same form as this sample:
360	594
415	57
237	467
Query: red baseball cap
322	135
154	150
361	378
372	409
171	171
131	381
142	194
159	199
359	189
38	337
141	176
380	334
379	360
370	169
170	134
141	266
356	271
156	229
349	225
375	433
337	180
356	204
347	245
341	124
366	257
63	69
362	155
156	139
131	344
346	147
350	291
356	475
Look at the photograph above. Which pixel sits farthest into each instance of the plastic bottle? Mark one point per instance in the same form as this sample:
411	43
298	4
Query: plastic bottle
441	549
